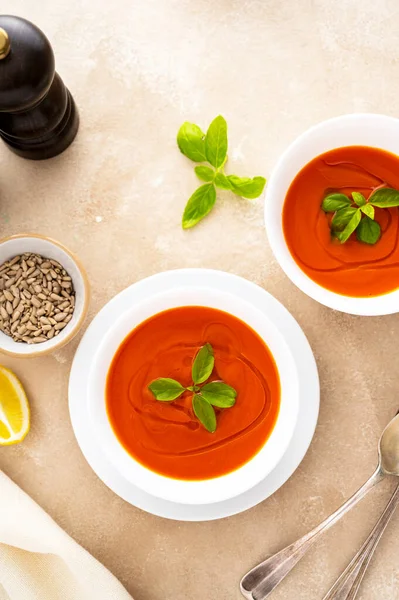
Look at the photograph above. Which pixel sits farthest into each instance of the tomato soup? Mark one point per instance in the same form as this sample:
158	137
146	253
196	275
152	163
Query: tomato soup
166	437
353	268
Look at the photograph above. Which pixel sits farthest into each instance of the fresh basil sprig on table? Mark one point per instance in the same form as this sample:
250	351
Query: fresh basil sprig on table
357	214
212	148
215	393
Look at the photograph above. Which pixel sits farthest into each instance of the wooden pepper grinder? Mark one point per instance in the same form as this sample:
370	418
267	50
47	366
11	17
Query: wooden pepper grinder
38	116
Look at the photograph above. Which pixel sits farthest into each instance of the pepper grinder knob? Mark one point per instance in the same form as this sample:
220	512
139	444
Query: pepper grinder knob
4	44
38	116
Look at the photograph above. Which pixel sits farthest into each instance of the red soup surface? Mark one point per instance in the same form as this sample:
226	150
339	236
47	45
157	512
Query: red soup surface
353	268
166	437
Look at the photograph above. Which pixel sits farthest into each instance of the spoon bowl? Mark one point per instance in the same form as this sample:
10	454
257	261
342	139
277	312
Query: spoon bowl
388	448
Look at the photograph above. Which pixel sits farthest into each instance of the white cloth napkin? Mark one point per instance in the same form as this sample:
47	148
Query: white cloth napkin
39	561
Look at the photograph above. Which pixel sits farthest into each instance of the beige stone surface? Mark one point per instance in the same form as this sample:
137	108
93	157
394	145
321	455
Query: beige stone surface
138	69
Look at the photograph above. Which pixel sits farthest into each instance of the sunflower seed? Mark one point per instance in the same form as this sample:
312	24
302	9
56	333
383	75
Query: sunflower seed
16	315
36	302
15	291
60	317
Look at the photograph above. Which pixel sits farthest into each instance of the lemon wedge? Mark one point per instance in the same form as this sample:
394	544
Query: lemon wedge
14	409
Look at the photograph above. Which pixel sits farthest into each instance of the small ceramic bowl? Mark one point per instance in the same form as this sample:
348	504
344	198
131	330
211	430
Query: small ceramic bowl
377	131
231	484
38	244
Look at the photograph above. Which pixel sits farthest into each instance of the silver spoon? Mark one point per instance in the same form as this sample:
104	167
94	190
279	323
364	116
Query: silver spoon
258	583
347	585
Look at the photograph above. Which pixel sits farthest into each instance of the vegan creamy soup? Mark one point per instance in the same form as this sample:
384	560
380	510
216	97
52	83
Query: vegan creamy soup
166	437
352	268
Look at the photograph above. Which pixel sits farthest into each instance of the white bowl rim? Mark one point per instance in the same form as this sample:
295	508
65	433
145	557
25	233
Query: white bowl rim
193	492
364	122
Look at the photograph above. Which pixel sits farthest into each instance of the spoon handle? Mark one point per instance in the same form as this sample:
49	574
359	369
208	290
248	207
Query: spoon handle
347	585
258	583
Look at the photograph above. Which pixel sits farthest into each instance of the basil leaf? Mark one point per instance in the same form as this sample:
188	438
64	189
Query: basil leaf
221	181
368	210
368	231
166	389
205	173
342	217
216	142
358	198
191	141
385	198
247	187
219	394
334	202
199	205
193	388
203	364
344	235
204	413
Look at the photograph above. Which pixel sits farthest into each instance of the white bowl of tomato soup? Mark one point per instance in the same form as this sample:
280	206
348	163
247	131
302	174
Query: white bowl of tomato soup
358	154
161	446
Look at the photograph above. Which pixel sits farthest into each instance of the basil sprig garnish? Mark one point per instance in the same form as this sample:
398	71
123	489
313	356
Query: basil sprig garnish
357	214
211	148
205	397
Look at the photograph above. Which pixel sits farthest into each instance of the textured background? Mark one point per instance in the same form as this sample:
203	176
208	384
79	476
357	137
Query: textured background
137	70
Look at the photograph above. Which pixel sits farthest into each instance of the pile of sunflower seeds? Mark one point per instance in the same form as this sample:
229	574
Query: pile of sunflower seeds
37	298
